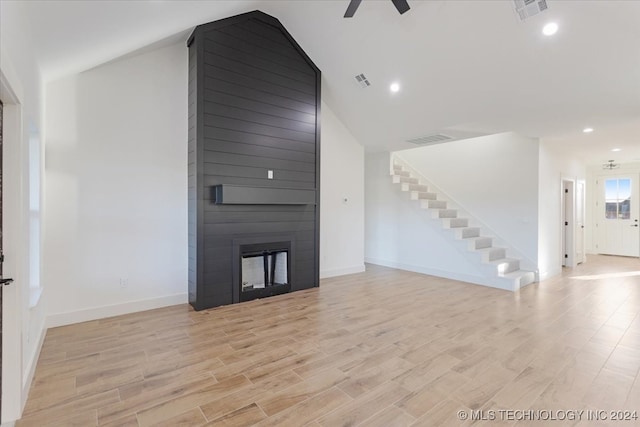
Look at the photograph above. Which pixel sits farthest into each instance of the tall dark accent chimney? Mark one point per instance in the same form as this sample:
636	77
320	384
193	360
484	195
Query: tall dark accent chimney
254	155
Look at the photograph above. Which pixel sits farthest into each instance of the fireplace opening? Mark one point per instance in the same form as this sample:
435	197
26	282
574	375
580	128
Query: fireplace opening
264	270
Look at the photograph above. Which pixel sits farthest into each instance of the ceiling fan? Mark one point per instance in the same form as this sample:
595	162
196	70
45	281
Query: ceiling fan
401	5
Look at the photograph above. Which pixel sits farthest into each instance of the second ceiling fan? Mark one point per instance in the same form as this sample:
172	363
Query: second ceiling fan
401	5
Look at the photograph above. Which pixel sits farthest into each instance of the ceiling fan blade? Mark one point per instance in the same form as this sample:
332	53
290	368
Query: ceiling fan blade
351	9
401	5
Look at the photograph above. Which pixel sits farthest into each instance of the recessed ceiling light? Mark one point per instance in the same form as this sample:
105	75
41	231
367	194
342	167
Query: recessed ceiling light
587	130
550	29
616	149
395	87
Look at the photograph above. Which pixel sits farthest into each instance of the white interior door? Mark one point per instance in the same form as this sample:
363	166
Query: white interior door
579	234
568	210
617	215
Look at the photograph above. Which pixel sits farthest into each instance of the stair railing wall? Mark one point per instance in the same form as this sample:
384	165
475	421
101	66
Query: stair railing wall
526	262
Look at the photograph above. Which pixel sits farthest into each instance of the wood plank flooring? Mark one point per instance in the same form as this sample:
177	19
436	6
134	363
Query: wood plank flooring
381	348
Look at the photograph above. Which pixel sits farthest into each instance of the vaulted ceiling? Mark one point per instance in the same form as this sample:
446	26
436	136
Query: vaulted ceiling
462	65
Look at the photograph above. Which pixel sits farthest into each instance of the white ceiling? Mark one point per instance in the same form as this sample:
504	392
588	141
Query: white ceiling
465	65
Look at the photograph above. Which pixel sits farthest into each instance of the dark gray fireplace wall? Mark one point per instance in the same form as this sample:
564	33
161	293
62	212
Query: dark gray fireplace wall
254	107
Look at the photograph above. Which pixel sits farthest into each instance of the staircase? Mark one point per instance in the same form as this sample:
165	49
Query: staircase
500	270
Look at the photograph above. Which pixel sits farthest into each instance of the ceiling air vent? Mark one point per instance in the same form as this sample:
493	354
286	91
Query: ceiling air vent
437	138
362	81
528	8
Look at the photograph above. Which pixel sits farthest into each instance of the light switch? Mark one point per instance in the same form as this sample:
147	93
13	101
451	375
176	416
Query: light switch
270	174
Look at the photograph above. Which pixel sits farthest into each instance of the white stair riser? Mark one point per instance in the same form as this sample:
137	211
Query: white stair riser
415	187
433	204
519	279
507	266
497	253
455	222
492	254
467	232
420	195
527	278
480	243
403	179
445	213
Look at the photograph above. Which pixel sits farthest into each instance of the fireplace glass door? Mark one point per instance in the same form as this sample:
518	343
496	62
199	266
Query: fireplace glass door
264	272
268	268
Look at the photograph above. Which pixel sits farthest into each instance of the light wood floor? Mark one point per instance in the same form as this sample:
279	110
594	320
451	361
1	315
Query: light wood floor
381	348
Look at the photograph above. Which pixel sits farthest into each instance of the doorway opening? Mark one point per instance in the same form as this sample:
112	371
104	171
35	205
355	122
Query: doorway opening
573	217
580	221
568	223
11	379
1	258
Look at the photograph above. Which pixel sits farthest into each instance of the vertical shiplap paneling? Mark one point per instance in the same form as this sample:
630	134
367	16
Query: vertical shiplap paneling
259	97
192	173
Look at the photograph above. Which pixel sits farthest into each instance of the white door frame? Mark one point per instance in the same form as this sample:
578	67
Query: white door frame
568	222
581	193
14	241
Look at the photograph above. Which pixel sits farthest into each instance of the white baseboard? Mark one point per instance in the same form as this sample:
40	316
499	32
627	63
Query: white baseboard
544	275
68	318
425	270
453	275
325	274
31	367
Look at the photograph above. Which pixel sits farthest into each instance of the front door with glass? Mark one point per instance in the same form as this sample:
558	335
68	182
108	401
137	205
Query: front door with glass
617	215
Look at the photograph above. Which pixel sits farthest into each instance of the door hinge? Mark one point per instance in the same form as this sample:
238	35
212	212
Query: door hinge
566	255
566	223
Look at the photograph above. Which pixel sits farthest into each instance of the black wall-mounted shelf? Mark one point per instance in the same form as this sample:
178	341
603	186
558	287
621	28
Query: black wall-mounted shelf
228	194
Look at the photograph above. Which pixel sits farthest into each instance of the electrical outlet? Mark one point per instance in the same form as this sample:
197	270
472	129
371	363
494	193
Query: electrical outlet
270	174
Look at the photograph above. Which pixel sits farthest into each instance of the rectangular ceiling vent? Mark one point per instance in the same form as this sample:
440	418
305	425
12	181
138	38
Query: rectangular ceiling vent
528	8
437	138
362	81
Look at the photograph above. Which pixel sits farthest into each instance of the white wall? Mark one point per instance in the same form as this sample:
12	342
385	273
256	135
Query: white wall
554	167
341	198
116	187
399	234
23	325
508	182
494	178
